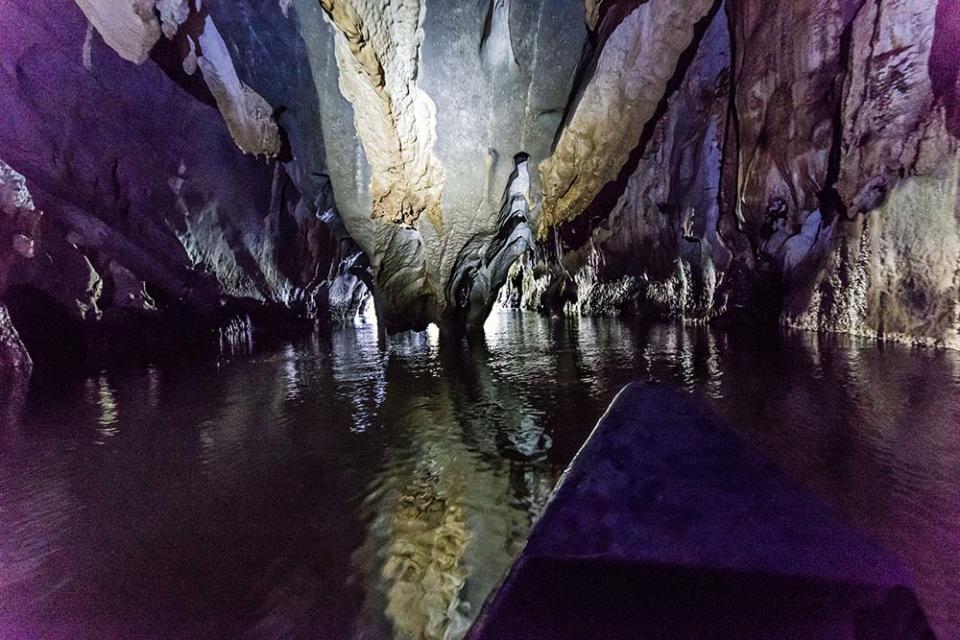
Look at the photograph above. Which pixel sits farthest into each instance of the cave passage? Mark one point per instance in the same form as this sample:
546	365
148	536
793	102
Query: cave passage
307	305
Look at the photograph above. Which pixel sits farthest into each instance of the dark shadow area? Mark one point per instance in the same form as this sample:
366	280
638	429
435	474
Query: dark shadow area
573	600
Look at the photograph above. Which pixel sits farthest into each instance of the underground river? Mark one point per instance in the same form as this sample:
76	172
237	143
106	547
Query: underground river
330	489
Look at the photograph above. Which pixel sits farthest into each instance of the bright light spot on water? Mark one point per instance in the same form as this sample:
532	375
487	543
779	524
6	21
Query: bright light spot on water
107	403
433	336
494	326
493	321
367	313
291	373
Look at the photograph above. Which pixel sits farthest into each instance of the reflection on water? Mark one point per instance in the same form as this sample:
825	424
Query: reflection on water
331	489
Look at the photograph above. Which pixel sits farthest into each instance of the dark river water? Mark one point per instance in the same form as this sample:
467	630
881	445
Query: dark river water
330	489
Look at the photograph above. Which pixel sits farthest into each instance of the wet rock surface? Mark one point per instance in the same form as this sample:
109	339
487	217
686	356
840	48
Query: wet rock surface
790	177
15	362
422	176
127	198
721	160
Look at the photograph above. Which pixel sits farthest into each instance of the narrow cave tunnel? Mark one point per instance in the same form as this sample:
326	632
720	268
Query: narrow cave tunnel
487	319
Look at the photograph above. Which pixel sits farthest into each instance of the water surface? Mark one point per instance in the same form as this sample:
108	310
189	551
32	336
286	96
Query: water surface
330	489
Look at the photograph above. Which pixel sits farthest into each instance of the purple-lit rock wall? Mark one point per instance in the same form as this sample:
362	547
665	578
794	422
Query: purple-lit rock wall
136	170
124	190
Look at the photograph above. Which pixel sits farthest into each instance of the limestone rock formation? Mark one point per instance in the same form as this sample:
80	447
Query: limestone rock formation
862	176
247	114
436	108
669	209
377	52
630	77
173	13
130	27
700	160
125	190
17	220
894	271
803	169
133	27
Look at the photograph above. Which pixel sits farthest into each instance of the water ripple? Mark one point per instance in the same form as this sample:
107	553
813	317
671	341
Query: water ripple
337	489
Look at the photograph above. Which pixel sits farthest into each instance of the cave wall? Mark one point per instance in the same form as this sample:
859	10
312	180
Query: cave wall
704	160
803	170
137	168
435	113
893	264
444	115
130	185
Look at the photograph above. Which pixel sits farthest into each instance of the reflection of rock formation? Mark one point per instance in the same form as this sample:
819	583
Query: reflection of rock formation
424	565
233	451
259	470
446	517
864	439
